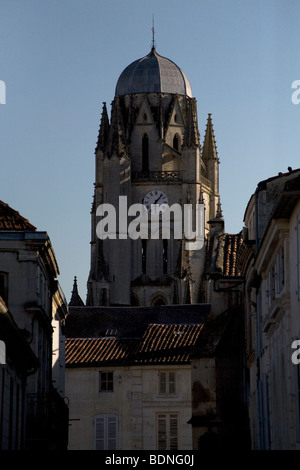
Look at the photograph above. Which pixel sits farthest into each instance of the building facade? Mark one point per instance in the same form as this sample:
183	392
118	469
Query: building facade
132	393
36	305
270	258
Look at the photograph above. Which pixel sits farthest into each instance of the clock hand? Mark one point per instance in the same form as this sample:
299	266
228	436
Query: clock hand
157	199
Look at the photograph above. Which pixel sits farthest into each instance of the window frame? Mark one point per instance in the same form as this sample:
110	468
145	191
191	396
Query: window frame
165	378
107	419
108	381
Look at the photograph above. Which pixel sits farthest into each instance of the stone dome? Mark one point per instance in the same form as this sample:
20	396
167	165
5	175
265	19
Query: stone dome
153	74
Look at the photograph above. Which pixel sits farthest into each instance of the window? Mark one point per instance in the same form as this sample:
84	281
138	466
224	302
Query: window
106	432
176	142
106	382
159	301
167	431
145	153
280	269
167	383
43	292
271	285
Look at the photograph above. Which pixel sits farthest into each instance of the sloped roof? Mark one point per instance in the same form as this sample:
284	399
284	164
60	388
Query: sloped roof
92	351
222	256
160	344
12	220
167	344
231	246
93	322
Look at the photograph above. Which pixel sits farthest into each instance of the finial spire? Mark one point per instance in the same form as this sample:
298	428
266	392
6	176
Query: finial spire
153	33
76	300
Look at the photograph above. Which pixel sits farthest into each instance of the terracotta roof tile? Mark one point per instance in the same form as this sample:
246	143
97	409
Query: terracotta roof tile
167	343
160	344
231	246
12	220
130	322
91	351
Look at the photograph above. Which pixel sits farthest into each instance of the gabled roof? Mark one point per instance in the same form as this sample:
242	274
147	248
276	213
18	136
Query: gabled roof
12	220
160	344
169	344
133	335
94	322
96	351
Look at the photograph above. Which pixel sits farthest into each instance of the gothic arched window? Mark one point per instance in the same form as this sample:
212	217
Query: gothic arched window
145	153
159	301
176	142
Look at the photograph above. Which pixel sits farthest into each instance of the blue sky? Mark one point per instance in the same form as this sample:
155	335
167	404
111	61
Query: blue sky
60	59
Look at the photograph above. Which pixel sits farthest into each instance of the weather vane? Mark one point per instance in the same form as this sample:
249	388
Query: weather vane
153	33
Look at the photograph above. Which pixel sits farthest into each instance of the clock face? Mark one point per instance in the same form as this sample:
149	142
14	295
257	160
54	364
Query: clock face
155	197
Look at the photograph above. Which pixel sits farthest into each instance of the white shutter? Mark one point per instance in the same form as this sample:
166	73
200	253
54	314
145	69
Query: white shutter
167	431
163	382
166	383
106	432
112	427
99	432
162	431
173	432
172	382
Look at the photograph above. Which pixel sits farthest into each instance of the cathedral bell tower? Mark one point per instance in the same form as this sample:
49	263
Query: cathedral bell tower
149	151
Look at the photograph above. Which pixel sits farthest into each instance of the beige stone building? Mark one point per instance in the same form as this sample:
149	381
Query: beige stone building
130	387
32	408
270	259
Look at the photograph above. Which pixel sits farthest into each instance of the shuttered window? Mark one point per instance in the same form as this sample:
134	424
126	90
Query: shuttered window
106	432
167	383
167	431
